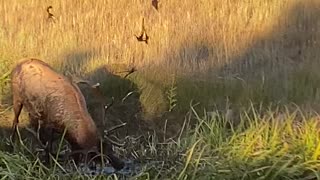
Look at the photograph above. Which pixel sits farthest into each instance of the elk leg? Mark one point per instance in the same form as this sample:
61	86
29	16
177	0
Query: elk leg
114	161
17	107
46	137
76	153
48	149
43	136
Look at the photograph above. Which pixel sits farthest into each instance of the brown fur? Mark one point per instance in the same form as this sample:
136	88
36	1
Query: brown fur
56	103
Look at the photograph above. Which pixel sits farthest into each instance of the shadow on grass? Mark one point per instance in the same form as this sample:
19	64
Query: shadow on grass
126	106
112	86
281	68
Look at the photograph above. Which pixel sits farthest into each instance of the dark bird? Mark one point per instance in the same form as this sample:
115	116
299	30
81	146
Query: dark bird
132	70
143	36
128	72
50	15
155	4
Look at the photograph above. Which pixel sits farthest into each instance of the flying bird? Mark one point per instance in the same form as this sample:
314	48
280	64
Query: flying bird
132	70
50	15
143	36
155	4
128	72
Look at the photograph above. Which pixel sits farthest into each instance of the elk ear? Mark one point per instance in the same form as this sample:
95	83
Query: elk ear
96	86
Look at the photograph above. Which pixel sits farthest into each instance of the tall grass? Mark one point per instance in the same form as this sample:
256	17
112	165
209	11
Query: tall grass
269	145
243	50
242	56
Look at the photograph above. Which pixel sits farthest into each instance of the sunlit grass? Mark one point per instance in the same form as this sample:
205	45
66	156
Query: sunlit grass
253	43
270	145
251	57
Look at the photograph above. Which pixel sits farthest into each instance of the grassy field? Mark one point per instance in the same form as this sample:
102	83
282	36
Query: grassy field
252	64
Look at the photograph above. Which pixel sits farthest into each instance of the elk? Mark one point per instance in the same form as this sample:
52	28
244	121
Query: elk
55	103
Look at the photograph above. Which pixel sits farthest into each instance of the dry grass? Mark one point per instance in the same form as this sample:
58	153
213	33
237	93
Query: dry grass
223	54
263	51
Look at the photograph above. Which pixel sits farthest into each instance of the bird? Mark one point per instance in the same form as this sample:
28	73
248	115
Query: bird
50	15
132	70
143	36
155	4
128	72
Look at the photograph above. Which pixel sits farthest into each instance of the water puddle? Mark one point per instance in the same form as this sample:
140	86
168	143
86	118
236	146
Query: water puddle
131	168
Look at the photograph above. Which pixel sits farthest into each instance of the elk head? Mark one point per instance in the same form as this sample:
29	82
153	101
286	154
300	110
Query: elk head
96	101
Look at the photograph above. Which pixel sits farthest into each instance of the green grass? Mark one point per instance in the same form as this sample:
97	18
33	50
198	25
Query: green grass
243	51
264	145
258	59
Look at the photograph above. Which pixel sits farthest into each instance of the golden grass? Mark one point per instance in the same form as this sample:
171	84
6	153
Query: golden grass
201	42
223	54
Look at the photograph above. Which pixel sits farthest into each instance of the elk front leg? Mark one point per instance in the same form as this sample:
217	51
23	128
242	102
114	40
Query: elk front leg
49	140
116	162
44	136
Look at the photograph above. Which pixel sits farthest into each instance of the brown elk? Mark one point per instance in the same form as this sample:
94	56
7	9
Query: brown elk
55	102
